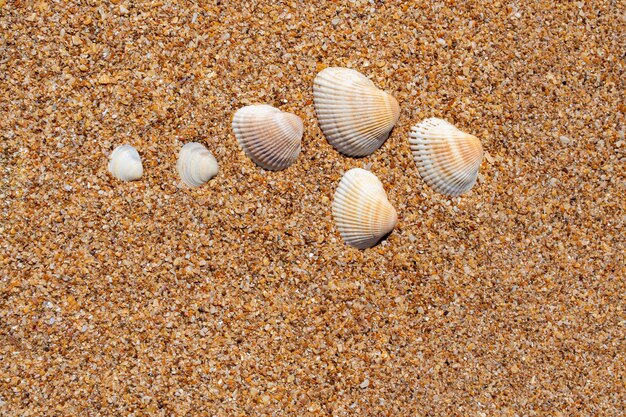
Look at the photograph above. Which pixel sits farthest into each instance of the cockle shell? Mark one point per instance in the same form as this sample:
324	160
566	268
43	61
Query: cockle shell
196	164
355	116
447	158
270	137
125	163
361	210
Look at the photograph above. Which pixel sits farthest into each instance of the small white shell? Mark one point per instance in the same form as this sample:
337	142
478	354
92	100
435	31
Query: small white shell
125	163
447	158
361	210
196	164
270	137
355	116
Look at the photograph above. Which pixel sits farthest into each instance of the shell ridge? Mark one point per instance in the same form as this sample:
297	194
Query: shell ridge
268	136
355	116
447	158
196	165
361	209
125	163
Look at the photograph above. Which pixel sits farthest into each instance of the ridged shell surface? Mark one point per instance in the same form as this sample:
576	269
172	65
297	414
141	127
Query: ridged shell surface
355	116
361	210
447	158
125	163
270	137
196	164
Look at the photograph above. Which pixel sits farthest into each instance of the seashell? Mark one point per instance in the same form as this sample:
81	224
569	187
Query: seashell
355	116
270	137
361	210
447	158
125	163
196	164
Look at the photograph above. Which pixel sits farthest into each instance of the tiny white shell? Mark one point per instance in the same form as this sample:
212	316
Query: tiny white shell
447	158
355	116
270	137
361	210
125	163
196	164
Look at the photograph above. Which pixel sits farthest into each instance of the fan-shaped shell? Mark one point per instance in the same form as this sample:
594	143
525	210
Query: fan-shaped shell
361	210
447	158
355	116
125	163
270	137
196	164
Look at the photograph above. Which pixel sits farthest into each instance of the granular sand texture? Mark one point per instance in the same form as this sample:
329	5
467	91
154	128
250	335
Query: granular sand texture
239	298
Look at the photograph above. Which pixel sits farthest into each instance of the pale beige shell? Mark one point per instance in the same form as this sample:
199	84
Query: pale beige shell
447	158
125	163
196	164
355	116
361	210
270	137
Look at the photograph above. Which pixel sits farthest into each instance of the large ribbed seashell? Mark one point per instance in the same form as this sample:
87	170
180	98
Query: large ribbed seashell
196	164
355	116
361	210
447	158
270	137
125	163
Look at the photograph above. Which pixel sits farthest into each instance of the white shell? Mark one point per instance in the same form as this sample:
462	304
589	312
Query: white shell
125	163
270	137
196	164
362	213
447	158
355	116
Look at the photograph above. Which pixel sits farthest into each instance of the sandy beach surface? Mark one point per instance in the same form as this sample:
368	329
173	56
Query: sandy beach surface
239	298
